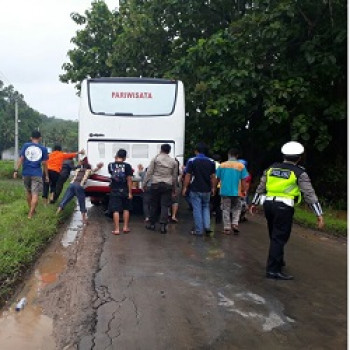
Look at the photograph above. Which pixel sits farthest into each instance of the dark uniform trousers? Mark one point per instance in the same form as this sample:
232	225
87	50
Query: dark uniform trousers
59	185
279	218
160	199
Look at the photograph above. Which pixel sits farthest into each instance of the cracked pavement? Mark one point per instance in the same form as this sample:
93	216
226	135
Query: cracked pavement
144	290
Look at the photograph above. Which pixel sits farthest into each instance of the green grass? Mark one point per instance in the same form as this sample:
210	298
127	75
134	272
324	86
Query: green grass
335	221
6	169
10	191
22	240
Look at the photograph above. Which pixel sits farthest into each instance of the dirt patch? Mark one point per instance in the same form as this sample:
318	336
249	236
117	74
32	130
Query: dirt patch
69	301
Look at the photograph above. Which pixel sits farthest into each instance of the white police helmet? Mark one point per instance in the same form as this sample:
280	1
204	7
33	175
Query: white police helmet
292	148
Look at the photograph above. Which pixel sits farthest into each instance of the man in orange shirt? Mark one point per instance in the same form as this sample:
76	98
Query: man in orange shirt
54	165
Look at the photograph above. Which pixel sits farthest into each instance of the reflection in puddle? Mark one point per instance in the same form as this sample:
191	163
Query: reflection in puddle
48	270
72	231
29	329
75	227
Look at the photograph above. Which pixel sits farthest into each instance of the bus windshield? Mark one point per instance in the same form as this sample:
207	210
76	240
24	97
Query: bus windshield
125	99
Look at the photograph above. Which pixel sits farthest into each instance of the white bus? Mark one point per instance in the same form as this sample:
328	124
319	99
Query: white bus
136	114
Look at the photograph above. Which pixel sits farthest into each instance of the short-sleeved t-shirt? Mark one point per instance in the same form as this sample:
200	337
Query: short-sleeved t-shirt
201	169
119	172
230	174
33	154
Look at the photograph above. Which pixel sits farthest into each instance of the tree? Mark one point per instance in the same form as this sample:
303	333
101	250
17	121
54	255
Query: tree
257	73
277	73
53	130
93	43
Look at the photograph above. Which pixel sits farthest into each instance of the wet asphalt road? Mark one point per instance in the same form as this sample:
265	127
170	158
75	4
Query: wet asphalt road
178	291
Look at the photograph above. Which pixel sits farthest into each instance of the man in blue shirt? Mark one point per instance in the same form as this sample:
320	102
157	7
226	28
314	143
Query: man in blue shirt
201	181
33	158
230	174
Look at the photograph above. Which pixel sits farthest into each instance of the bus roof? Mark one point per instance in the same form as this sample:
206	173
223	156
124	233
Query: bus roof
132	80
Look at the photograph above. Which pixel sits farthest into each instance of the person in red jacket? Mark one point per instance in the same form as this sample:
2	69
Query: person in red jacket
54	165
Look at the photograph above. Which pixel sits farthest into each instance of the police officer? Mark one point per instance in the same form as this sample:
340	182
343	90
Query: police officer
283	183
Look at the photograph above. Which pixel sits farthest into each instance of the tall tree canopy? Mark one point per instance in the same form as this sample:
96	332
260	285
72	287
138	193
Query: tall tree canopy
256	73
54	131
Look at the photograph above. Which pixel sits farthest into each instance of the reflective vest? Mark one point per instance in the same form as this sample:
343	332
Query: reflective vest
282	181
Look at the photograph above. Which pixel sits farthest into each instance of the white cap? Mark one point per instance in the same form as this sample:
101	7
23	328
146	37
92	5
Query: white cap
292	148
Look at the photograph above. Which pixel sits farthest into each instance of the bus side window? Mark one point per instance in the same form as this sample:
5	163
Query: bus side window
140	151
117	146
102	149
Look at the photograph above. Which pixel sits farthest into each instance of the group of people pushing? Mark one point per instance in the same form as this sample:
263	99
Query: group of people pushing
200	180
203	180
161	183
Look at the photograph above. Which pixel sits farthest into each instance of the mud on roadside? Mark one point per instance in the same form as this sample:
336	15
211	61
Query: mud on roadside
70	300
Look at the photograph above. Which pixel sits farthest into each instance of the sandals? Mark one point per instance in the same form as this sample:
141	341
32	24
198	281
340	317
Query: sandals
115	233
226	231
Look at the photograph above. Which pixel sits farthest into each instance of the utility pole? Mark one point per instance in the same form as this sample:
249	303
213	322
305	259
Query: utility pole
16	133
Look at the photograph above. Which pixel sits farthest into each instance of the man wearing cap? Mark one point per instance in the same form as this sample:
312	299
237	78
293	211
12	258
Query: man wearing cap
283	183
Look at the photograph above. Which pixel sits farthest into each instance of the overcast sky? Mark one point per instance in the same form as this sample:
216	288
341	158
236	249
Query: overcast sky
34	40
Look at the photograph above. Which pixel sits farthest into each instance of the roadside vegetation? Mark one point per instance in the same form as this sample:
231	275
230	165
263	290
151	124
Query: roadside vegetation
21	240
6	169
335	220
256	73
54	130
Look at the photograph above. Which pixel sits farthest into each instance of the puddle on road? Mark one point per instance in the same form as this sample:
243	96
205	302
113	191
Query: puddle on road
28	328
74	228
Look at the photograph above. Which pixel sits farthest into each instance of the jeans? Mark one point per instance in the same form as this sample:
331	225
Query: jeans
201	211
73	190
